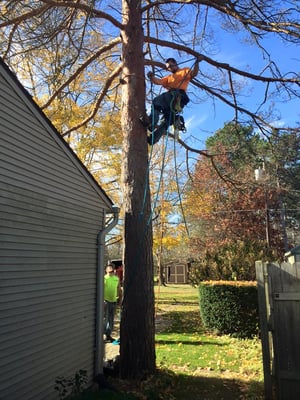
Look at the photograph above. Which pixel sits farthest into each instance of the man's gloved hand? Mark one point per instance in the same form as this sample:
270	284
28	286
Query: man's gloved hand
150	75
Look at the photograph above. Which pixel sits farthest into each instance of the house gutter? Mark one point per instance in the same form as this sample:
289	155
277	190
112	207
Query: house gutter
99	351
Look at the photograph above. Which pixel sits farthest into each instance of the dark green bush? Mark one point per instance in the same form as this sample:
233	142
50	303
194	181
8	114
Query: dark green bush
229	307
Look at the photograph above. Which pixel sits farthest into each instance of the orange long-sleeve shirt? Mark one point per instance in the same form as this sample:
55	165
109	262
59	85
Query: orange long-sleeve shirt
178	80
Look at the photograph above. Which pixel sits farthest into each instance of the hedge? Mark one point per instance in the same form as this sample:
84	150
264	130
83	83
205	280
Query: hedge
229	307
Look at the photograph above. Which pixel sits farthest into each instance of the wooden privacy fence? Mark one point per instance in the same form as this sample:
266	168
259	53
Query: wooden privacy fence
279	308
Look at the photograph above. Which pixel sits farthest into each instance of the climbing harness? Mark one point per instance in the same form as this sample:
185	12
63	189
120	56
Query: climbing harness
175	120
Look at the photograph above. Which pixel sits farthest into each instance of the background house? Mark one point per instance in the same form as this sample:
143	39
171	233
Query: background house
51	213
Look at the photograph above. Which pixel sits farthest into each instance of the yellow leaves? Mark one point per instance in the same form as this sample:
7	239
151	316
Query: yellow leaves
229	283
200	202
169	241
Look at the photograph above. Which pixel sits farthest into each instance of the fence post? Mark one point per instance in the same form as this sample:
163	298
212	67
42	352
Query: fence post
264	307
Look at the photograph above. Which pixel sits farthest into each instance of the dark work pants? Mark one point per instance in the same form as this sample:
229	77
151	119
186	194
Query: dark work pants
164	104
109	316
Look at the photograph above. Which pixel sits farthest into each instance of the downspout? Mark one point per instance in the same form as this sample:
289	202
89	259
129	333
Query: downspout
99	351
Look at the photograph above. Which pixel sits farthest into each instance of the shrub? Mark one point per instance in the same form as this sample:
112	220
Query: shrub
72	386
230	260
229	307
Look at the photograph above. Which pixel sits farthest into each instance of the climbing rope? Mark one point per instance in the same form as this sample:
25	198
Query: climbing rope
173	112
178	191
143	236
163	163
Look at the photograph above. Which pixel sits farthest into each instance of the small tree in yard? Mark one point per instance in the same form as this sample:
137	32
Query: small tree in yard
109	43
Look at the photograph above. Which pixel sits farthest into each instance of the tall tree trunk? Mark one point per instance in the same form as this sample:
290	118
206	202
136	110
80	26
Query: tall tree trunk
137	352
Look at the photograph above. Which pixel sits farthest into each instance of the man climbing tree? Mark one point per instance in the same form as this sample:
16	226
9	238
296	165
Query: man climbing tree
170	102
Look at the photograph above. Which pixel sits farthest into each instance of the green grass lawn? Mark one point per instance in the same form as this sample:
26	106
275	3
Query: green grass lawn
193	363
220	366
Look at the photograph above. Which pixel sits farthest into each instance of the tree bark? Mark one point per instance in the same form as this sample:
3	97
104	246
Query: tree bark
137	350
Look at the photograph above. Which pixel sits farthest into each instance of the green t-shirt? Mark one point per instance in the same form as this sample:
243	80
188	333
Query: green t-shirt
111	284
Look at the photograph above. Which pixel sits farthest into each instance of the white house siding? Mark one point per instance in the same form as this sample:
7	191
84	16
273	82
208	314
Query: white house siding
51	211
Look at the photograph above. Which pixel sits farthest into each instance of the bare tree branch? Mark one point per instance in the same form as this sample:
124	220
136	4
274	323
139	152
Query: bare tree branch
23	17
84	7
243	12
221	65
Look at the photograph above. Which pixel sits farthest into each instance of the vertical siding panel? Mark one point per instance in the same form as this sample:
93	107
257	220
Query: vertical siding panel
50	214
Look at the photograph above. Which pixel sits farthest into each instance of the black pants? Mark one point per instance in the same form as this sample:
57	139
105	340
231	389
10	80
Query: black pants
165	104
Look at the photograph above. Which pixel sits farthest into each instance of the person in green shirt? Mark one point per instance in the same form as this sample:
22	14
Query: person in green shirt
112	293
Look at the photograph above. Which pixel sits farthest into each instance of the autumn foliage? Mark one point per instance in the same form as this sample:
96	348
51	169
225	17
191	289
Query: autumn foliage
235	220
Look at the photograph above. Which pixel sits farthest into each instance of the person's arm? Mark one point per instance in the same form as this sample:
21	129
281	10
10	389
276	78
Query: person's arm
119	301
195	70
153	78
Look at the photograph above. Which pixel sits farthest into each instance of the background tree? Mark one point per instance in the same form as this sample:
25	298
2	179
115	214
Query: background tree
234	219
168	178
119	40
